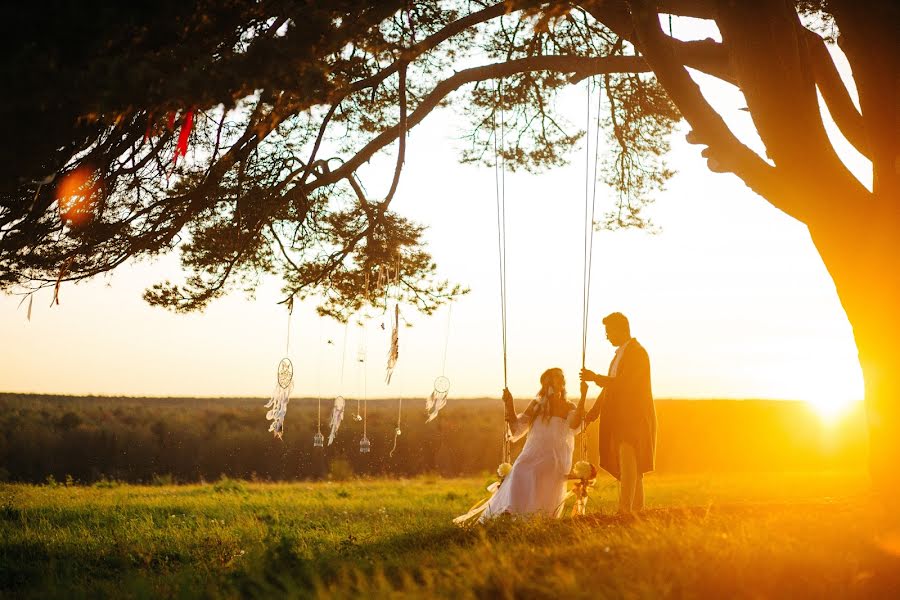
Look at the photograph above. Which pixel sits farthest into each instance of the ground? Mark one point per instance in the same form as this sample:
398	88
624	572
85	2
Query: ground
814	535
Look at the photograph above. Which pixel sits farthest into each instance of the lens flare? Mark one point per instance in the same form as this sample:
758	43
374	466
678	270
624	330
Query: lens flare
74	195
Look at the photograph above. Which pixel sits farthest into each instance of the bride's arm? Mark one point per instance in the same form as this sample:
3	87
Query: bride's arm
518	424
576	417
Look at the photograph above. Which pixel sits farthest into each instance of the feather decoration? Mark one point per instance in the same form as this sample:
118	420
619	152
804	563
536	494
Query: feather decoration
434	403
278	408
337	415
394	351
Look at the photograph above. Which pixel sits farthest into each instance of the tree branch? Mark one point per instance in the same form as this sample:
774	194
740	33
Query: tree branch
707	56
835	94
563	64
708	125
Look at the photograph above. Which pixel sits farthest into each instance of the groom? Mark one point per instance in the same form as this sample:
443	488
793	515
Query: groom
628	423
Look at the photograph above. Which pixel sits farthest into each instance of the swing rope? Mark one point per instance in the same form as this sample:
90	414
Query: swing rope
590	203
500	194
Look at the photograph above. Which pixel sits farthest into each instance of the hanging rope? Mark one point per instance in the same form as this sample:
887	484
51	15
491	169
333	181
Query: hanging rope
446	341
590	202
318	438
500	193
344	354
397	431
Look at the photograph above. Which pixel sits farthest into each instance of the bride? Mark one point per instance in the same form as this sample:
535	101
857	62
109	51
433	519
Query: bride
537	482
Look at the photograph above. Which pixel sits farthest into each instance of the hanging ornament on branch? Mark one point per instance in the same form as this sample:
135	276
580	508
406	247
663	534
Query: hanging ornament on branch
394	350
318	438
438	398
183	137
365	445
337	411
284	385
337	415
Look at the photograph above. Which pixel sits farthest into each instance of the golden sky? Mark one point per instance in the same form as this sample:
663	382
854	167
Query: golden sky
730	298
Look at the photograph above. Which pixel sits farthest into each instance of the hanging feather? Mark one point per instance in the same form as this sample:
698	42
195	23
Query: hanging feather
337	415
278	409
62	273
394	351
280	397
434	403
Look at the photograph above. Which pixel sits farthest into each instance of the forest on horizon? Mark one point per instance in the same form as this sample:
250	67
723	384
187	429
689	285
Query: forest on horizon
184	440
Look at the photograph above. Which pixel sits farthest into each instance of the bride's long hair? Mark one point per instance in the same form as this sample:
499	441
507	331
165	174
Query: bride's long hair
553	384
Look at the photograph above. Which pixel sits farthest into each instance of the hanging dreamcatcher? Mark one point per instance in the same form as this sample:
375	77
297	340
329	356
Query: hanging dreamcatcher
278	404
394	350
392	280
337	415
337	410
438	398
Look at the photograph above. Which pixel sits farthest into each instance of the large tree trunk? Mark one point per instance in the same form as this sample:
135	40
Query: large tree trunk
864	265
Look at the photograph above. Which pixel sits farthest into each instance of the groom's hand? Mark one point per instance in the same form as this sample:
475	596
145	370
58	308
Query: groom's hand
587	375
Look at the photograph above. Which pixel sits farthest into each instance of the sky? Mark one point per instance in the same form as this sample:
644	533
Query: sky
730	297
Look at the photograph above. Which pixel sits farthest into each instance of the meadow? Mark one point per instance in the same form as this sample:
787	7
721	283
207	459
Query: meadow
796	535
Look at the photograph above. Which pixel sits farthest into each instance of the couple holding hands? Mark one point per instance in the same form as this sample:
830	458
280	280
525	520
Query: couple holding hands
537	481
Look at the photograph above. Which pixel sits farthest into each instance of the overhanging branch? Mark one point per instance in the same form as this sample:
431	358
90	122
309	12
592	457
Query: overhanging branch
562	64
708	125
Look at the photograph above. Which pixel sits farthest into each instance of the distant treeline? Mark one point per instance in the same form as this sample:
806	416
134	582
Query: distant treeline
187	440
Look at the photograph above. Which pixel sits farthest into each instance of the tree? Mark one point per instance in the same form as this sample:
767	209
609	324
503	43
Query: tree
281	105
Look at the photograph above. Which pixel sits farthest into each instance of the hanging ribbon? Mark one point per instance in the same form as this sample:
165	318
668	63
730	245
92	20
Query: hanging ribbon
183	136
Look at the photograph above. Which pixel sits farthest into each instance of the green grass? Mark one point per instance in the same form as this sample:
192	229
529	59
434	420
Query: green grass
744	536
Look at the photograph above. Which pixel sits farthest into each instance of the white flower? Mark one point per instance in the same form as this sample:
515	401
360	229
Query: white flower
504	469
583	469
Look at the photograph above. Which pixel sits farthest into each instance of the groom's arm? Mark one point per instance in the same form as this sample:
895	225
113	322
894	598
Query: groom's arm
592	414
601	380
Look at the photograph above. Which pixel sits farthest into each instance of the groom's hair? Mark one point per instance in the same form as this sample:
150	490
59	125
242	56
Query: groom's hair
617	320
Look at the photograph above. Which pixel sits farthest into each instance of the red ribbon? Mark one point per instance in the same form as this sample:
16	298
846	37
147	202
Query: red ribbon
184	135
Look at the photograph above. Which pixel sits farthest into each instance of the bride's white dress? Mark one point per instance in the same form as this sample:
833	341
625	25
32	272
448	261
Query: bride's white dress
537	481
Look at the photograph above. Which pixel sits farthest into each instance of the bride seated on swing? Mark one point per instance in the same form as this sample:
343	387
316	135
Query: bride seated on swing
536	484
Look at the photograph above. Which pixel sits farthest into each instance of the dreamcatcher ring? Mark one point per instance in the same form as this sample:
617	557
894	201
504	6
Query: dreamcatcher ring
441	385
285	373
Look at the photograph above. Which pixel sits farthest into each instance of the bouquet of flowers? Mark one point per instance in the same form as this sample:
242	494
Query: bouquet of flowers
583	474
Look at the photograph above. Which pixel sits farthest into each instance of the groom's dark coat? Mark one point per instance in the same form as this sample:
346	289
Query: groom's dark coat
627	414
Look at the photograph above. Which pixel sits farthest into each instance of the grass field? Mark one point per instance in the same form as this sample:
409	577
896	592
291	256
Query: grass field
736	536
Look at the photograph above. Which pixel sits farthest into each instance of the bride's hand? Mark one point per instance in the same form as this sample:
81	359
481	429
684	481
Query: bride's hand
584	389
507	397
